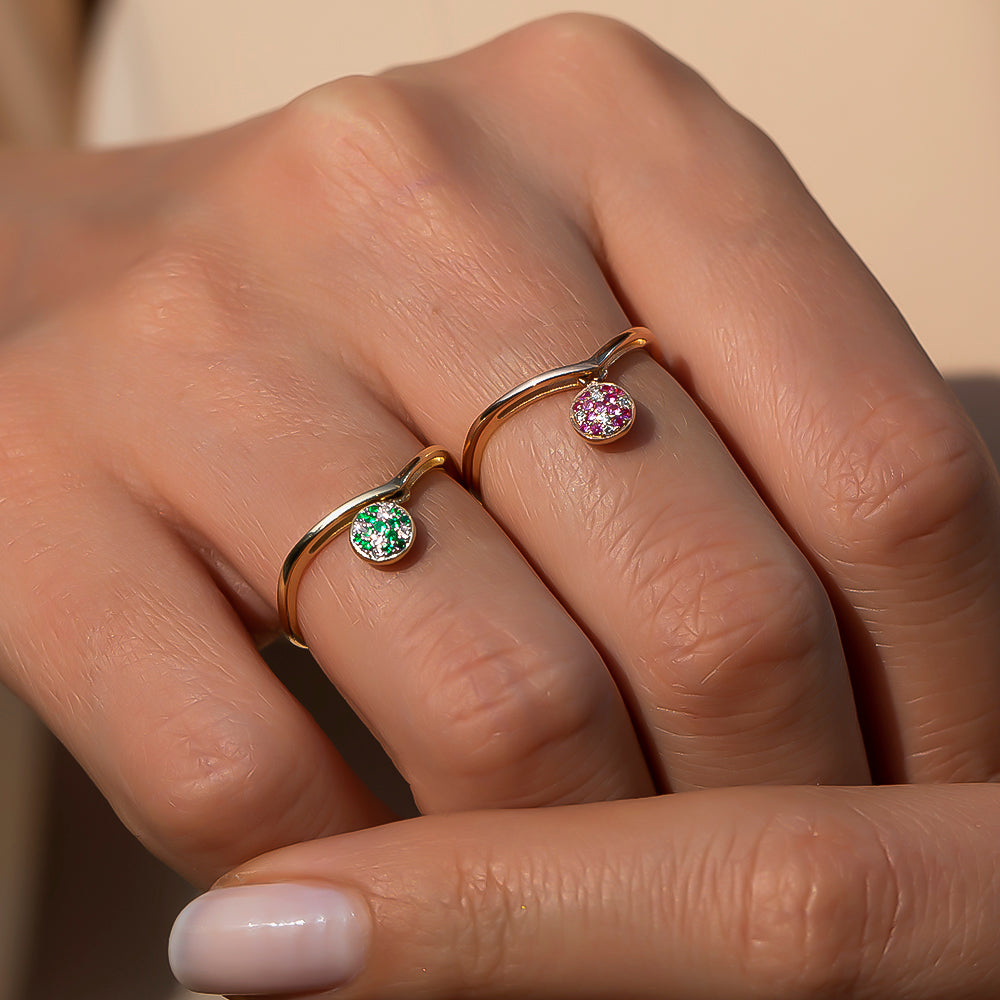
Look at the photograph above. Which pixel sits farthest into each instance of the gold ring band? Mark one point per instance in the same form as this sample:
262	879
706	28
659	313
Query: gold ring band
582	376
381	532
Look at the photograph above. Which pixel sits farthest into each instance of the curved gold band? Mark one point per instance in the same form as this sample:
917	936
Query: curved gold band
320	535
575	376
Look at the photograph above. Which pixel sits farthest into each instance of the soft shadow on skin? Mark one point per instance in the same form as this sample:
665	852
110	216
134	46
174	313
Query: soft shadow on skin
300	673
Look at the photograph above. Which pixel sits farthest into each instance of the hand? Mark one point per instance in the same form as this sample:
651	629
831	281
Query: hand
284	313
750	892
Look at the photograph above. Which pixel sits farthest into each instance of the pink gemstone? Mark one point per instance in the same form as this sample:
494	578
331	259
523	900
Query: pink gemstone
603	411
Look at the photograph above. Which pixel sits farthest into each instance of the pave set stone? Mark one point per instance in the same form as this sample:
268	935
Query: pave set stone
382	532
602	411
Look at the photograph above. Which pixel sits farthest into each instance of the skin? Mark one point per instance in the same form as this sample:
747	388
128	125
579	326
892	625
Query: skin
785	893
208	345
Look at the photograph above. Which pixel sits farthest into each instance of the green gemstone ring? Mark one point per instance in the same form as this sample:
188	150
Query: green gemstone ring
382	531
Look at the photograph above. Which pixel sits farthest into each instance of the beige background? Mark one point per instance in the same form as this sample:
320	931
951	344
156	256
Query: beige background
890	109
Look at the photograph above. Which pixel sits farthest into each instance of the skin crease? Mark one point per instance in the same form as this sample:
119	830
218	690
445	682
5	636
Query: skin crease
332	286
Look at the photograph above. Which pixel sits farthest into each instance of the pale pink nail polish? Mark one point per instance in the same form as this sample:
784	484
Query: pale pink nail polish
259	939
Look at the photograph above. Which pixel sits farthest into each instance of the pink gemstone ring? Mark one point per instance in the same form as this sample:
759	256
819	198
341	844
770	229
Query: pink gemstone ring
601	411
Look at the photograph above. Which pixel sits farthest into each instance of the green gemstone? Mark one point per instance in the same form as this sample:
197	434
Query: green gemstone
382	532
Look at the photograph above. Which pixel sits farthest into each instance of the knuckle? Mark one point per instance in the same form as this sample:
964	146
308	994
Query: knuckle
203	777
202	805
178	303
823	897
184	312
915	473
198	771
513	712
488	893
368	142
625	73
178	315
222	791
726	613
502	901
579	37
590	49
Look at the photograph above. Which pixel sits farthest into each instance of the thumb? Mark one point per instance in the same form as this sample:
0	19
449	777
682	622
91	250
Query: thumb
749	892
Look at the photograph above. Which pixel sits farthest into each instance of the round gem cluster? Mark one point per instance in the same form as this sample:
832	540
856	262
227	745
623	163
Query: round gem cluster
603	411
382	532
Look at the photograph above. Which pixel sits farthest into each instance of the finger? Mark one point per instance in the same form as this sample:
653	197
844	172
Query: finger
480	686
714	625
119	639
794	892
810	374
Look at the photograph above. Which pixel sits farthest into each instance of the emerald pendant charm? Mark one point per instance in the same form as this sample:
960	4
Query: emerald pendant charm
382	532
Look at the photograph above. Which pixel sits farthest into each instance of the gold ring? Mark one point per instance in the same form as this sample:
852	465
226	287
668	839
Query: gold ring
601	410
382	531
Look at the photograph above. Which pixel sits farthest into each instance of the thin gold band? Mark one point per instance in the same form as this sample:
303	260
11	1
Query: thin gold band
321	534
594	368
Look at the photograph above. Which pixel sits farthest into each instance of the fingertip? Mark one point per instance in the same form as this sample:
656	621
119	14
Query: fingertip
254	940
